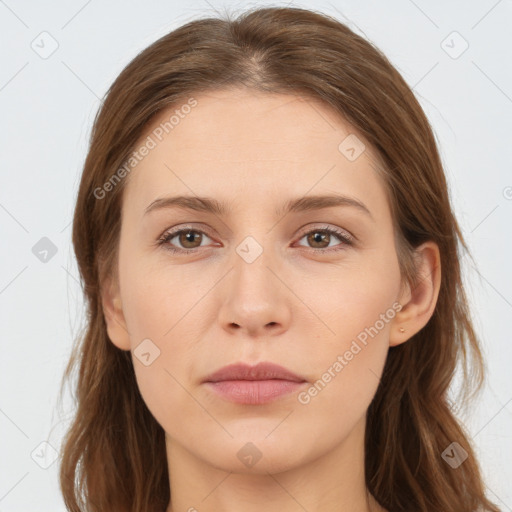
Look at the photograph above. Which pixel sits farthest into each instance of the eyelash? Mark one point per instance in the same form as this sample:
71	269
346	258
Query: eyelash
347	240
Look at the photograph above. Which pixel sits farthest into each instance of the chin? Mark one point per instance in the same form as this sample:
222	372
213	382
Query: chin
258	454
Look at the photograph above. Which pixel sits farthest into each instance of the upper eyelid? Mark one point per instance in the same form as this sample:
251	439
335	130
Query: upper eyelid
325	225
175	231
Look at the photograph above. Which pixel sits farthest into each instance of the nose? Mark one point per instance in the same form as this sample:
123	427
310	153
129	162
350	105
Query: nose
256	301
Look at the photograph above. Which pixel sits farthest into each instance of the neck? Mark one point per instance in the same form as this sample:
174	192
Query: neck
333	482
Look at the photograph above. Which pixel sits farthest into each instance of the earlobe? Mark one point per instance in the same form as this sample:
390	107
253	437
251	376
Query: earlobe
114	317
418	302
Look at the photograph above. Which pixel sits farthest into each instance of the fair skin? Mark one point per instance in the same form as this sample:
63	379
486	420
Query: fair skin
292	305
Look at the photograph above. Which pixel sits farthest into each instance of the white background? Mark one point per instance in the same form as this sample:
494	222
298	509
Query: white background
47	108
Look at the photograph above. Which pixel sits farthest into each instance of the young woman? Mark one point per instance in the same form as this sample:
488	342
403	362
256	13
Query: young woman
272	270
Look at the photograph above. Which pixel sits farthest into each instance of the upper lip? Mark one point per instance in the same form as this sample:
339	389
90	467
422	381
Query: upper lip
261	371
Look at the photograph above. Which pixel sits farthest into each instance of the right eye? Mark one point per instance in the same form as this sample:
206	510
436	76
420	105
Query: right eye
184	236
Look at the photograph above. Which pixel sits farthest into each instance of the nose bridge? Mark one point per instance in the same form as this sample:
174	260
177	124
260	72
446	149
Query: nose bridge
252	261
255	298
255	248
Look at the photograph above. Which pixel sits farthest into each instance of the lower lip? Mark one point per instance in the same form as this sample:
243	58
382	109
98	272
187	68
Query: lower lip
254	392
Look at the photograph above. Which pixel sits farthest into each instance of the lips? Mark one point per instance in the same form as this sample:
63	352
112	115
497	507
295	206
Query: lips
253	385
261	371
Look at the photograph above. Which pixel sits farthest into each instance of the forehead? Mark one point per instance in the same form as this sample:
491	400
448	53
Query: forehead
238	142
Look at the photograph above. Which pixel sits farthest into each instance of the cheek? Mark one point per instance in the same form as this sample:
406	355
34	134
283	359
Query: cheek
345	372
350	349
163	353
350	298
155	300
341	395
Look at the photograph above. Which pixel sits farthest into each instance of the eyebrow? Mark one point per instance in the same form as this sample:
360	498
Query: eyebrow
210	205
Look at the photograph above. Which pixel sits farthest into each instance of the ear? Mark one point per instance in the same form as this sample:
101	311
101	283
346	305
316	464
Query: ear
114	317
418	303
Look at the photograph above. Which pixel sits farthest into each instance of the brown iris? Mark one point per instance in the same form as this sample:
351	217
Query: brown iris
189	236
318	237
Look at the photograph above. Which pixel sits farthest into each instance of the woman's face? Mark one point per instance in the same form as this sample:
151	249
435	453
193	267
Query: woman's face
256	282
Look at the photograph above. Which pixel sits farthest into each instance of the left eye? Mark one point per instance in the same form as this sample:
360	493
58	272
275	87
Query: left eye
319	236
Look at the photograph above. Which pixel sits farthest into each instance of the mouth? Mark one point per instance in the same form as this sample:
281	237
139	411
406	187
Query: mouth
253	385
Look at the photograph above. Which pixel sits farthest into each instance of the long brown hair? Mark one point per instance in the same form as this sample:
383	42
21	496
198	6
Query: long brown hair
113	456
